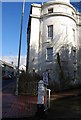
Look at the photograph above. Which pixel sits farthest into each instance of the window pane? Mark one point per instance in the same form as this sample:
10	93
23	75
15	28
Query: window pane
50	31
50	10
49	53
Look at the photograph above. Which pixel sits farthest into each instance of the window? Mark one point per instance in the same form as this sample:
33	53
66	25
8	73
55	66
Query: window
50	31
49	55
73	30
50	10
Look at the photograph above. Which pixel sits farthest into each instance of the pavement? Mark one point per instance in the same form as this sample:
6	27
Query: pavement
25	107
14	106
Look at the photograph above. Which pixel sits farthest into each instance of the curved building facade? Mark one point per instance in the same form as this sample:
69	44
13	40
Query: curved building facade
55	40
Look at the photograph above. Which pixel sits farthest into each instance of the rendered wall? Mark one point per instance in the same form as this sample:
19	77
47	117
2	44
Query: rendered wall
64	19
34	39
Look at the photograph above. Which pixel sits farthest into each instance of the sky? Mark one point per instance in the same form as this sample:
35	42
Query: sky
11	20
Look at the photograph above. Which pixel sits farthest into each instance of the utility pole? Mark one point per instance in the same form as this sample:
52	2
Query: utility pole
28	46
23	6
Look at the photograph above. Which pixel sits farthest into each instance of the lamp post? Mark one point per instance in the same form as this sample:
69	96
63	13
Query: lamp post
23	6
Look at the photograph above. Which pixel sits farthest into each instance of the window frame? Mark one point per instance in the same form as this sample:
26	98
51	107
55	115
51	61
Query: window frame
48	58
50	31
50	10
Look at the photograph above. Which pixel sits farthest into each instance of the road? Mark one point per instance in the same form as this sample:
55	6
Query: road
8	85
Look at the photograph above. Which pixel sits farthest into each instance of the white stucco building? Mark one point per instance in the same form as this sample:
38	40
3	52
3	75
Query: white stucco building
54	41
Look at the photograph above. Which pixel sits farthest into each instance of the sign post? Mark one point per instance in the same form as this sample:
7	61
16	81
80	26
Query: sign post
47	97
45	79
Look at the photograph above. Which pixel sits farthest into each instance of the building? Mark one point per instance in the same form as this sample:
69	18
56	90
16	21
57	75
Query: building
8	70
22	68
54	41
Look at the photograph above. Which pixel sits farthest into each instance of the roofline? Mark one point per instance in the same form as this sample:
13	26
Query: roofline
8	64
52	3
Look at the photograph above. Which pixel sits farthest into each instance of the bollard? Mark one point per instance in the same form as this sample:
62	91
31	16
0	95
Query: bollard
40	102
47	103
49	97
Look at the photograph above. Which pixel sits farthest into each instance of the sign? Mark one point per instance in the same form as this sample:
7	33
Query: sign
45	78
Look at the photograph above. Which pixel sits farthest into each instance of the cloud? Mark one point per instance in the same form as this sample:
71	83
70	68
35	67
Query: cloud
14	59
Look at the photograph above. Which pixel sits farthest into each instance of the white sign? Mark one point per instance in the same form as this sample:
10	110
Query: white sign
45	78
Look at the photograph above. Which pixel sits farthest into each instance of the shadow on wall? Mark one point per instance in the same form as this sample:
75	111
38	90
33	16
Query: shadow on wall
67	67
33	60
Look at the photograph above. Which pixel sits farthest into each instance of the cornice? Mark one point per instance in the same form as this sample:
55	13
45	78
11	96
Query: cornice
59	14
34	16
61	3
36	5
78	13
79	24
